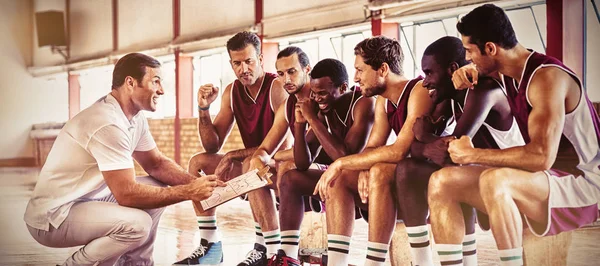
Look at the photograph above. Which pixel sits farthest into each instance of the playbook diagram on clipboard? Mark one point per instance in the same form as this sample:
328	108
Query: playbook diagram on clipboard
238	186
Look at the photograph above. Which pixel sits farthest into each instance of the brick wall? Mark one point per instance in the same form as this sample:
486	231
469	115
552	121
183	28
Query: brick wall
163	131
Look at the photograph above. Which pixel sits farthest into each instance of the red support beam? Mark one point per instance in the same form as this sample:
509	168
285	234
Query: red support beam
258	17
115	24
176	18
378	27
565	32
74	91
177	122
376	22
181	84
68	26
270	51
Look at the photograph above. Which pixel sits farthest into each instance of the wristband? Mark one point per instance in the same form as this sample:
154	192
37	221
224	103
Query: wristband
203	109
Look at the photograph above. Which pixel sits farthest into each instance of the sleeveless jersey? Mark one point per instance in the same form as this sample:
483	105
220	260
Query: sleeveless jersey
582	125
397	112
254	116
336	125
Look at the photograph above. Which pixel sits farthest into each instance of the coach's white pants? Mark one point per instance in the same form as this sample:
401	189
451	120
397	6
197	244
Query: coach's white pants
108	232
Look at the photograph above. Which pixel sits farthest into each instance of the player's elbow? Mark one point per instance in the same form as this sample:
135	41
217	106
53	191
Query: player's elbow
542	159
211	148
546	162
302	166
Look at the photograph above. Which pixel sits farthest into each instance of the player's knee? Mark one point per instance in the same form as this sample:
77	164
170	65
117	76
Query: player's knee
438	184
284	167
286	183
246	160
198	162
493	183
380	175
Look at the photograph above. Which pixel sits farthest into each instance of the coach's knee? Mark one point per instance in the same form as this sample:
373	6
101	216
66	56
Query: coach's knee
494	184
133	228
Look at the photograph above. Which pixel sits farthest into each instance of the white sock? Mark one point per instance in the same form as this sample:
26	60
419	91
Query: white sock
469	250
420	247
450	254
260	239
338	247
208	228
289	242
511	257
272	241
376	253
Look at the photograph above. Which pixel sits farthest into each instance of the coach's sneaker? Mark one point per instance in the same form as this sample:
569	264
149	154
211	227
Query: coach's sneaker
282	260
207	253
256	257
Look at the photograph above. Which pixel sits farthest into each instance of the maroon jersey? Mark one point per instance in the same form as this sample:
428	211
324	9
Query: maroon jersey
397	112
336	124
254	117
517	93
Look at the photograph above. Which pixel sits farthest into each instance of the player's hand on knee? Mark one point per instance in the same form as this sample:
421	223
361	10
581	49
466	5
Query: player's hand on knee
327	179
223	168
363	186
202	187
465	77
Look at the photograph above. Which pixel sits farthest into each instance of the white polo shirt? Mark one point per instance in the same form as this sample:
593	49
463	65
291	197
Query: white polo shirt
99	138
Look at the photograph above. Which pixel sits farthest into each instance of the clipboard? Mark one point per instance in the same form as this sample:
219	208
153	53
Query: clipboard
238	186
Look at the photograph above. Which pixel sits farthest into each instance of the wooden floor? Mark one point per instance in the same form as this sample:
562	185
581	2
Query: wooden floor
178	235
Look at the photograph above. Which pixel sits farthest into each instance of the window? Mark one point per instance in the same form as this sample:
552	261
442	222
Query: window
95	83
216	69
528	22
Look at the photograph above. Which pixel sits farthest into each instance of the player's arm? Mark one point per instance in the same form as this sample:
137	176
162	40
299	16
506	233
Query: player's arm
381	129
284	155
272	141
305	153
419	104
547	93
355	139
214	133
478	105
278	94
